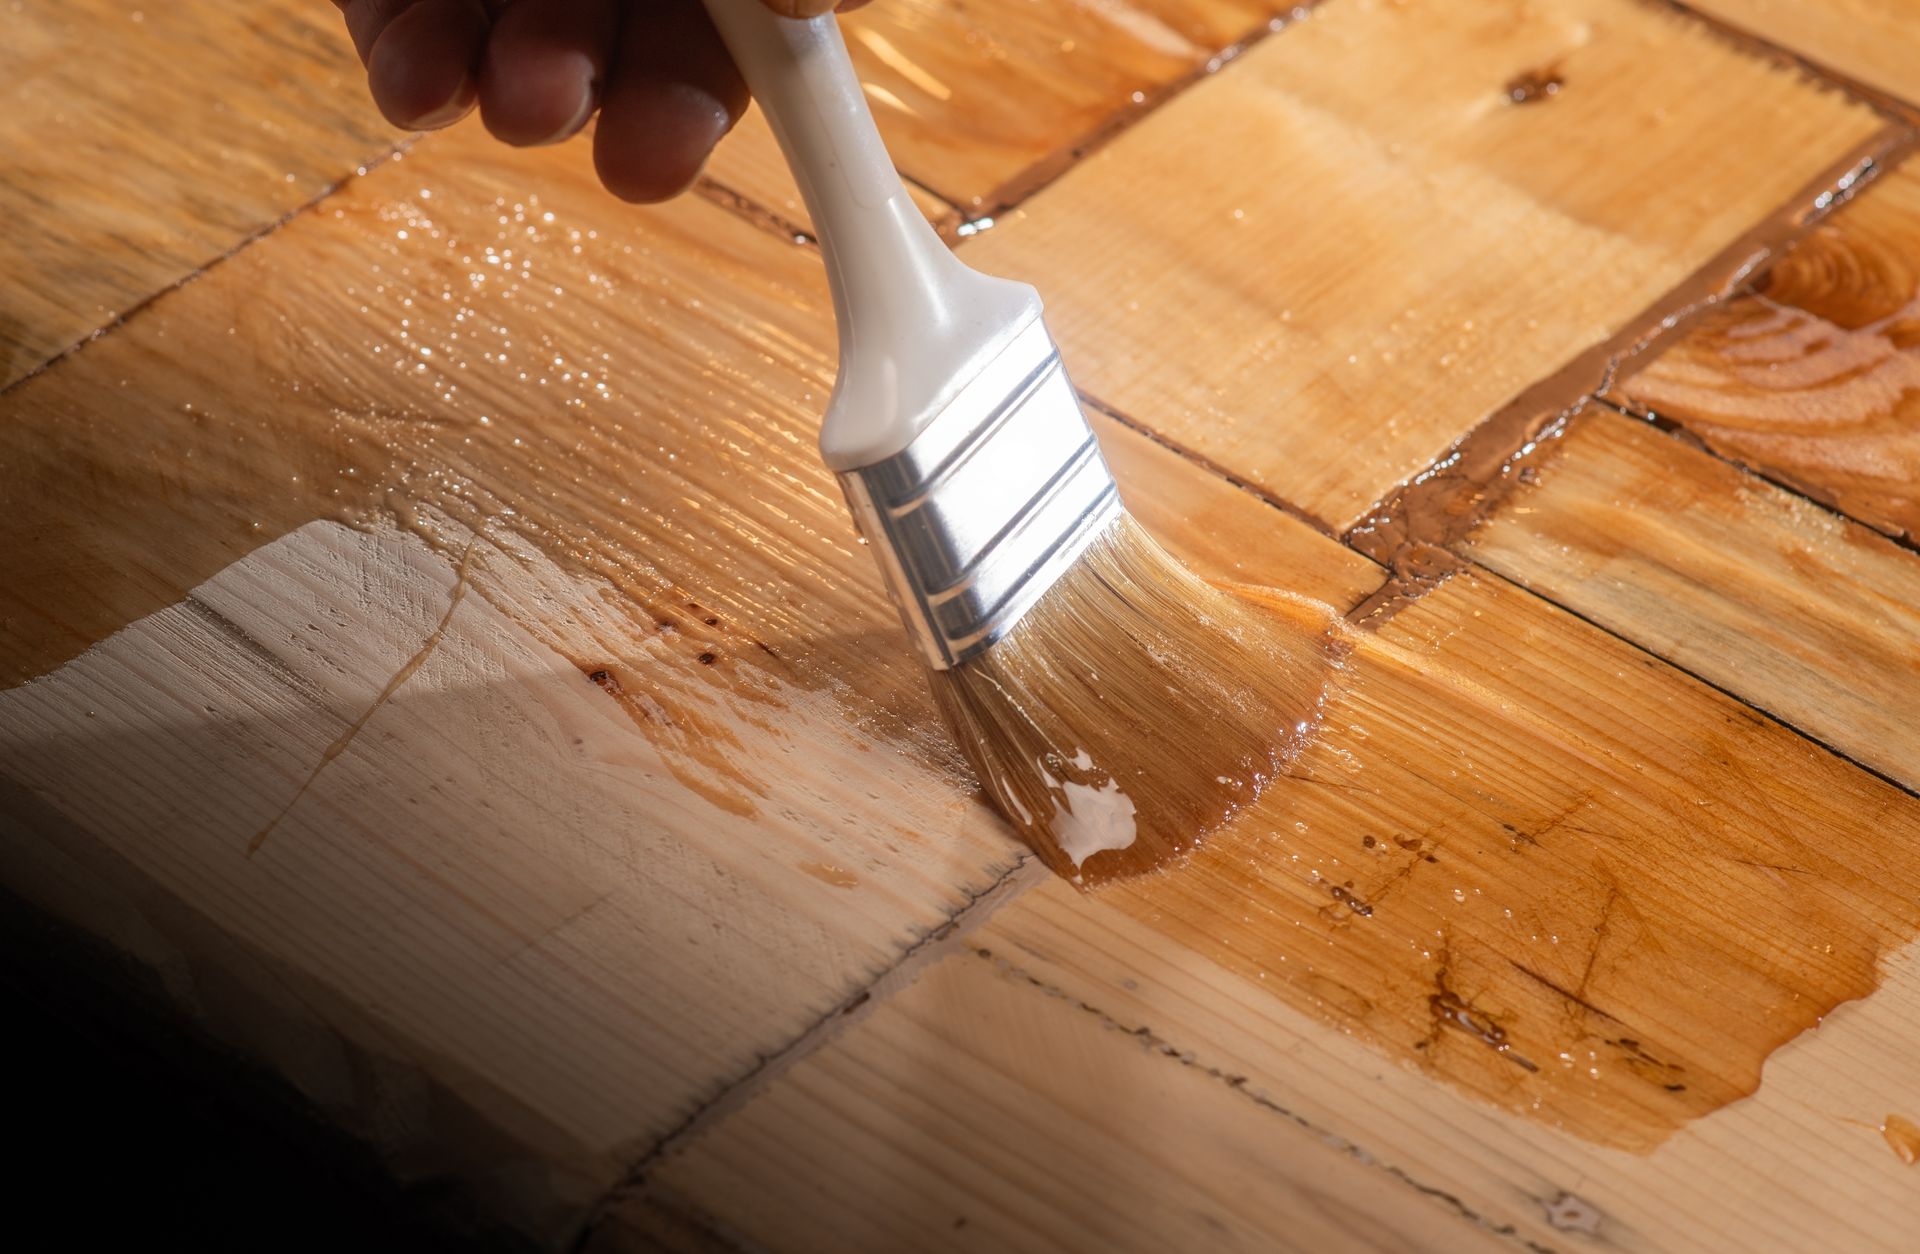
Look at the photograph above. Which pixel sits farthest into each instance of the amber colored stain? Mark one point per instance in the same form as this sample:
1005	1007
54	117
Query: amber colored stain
827	873
1903	1138
1552	875
1815	378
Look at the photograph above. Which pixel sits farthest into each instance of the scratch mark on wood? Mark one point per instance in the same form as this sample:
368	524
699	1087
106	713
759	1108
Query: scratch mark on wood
400	677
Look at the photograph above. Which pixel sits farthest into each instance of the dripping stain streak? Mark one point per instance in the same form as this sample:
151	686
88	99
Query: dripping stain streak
400	677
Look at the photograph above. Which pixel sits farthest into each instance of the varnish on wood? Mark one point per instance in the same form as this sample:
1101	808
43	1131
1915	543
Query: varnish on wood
1554	874
469	475
1813	378
103	208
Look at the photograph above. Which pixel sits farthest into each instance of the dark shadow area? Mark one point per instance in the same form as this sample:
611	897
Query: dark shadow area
129	1132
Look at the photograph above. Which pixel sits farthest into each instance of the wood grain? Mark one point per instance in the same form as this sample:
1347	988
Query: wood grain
517	699
1666	922
1807	615
1354	246
104	207
1875	42
975	1112
973	98
1812	378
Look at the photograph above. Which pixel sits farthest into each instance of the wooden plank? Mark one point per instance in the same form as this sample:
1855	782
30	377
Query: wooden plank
514	701
1358	230
1799	1165
1311	970
1811	378
975	98
1875	42
104	207
1807	615
973	1112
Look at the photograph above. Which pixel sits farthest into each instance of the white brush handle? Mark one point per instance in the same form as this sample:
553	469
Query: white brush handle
915	324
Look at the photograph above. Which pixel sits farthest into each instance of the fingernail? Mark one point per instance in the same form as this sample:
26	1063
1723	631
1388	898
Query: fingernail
452	111
588	99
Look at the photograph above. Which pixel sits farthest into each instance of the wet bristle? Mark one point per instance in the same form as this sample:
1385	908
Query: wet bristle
1136	707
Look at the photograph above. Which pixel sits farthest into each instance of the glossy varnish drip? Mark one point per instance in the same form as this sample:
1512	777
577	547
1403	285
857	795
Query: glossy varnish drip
1814	378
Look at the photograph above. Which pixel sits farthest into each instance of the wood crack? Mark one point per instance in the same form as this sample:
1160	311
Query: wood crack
400	677
1164	1048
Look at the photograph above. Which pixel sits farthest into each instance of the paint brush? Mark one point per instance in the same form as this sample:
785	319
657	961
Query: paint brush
1115	706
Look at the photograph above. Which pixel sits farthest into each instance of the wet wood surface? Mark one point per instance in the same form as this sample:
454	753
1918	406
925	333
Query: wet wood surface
431	651
103	206
1811	378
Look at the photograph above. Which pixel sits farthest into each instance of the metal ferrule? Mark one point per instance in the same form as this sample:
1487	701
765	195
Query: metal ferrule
989	505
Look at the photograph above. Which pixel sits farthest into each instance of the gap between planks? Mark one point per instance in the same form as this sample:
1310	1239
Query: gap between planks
120	319
1889	106
1413	530
945	938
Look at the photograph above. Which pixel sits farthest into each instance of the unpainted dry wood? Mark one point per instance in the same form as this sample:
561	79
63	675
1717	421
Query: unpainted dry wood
144	141
1781	602
1320	268
1584	910
975	1112
471	635
1875	42
1812	378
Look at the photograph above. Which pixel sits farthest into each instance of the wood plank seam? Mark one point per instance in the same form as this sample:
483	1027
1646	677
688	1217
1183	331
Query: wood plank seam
1159	1045
1730	694
1887	105
945	938
1207	464
1412	532
1040	174
233	250
716	191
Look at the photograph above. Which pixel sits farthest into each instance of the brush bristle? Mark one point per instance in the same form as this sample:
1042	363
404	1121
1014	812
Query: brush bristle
1135	707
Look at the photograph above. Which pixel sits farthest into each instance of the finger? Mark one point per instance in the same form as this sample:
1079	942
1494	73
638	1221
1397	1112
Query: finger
541	75
804	8
421	56
673	92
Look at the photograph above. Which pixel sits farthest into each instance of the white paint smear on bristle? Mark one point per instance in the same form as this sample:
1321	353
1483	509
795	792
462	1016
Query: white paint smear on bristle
1093	820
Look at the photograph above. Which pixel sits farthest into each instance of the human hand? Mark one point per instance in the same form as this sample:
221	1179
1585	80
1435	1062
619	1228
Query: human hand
654	70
